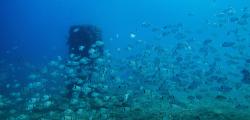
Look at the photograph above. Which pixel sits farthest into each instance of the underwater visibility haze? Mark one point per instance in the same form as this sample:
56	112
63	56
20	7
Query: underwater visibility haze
125	60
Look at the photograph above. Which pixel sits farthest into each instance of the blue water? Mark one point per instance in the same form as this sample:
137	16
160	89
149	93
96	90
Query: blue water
164	60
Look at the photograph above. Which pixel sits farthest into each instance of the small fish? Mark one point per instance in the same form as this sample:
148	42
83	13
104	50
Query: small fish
207	41
165	33
180	36
247	97
166	27
155	29
132	35
117	36
81	48
228	44
234	19
240	106
232	62
224	88
217	79
198	97
245	16
247	60
179	59
173	101
191	98
193	85
99	43
220	97
76	29
145	24
243	22
190	14
246	76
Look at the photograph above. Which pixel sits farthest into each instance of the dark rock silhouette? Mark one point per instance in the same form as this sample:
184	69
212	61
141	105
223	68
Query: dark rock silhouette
84	36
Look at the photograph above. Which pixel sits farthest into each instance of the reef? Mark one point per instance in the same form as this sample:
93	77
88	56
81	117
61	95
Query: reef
187	80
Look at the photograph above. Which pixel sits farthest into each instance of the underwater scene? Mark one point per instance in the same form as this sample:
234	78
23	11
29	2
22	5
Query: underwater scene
125	60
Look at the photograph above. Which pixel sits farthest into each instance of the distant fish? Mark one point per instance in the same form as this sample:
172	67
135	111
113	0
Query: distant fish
173	101
180	36
245	9
2	61
167	27
190	14
248	60
191	98
232	62
220	97
165	33
228	44
155	29
240	106
198	97
193	85
234	19
245	16
246	76
224	89
243	22
217	79
234	32
81	48
179	59
247	97
132	35
207	41
145	24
